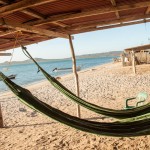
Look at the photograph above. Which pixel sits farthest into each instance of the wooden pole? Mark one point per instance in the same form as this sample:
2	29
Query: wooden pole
133	62
123	59
1	118
75	73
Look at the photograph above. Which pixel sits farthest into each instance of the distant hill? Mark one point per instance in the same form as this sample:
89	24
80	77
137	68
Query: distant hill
107	54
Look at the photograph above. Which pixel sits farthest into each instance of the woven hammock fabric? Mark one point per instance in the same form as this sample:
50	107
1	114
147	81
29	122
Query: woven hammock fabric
120	114
117	129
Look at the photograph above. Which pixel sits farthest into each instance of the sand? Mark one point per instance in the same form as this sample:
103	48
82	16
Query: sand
106	85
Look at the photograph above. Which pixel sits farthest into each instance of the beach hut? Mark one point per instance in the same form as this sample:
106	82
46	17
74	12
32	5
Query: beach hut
25	22
136	56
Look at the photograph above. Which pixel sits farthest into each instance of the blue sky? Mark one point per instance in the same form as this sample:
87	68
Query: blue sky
115	39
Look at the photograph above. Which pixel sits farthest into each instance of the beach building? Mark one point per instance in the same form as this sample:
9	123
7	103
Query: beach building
25	22
136	56
142	55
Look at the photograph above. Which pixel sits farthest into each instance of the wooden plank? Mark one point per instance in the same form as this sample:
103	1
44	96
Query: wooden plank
22	5
5	54
75	73
21	27
87	13
33	13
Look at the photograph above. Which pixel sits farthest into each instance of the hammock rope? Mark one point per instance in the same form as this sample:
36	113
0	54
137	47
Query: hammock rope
120	114
117	129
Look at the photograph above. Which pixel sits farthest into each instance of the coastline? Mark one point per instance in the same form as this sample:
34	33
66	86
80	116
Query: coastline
34	85
106	85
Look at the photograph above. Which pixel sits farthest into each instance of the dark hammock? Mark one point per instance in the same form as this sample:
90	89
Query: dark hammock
120	114
123	129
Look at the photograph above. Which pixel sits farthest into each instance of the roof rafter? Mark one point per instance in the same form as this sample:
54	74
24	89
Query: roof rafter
16	26
33	13
3	2
113	2
147	10
22	5
52	19
121	20
7	32
108	26
26	43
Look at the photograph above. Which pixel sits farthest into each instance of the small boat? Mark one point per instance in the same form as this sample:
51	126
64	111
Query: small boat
65	69
13	76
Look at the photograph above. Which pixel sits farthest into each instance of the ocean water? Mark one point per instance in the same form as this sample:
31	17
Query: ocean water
27	73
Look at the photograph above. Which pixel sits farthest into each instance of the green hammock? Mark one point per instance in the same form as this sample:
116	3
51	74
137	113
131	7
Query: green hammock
123	129
120	114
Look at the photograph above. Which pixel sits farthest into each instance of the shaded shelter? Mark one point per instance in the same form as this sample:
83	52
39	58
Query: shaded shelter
136	56
40	20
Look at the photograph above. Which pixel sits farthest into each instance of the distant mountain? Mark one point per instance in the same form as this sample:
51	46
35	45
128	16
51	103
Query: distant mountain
107	54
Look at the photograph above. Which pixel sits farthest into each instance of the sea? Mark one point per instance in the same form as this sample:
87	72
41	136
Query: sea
27	73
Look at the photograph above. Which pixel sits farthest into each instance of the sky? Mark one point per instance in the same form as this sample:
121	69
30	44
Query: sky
115	39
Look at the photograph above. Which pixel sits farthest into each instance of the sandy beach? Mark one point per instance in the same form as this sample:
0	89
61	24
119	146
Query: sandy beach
107	85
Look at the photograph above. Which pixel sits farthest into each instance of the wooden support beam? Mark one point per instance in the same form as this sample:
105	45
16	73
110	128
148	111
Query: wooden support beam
1	118
60	24
75	73
106	27
22	5
117	15
5	54
113	2
51	19
27	11
3	2
25	43
123	59
102	23
147	10
25	38
7	32
33	13
133	62
21	27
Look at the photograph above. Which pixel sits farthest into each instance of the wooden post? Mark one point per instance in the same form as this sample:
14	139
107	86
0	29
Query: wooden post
75	73
133	62
1	118
123	59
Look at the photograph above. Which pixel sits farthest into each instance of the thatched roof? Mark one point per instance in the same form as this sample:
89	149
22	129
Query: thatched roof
40	20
